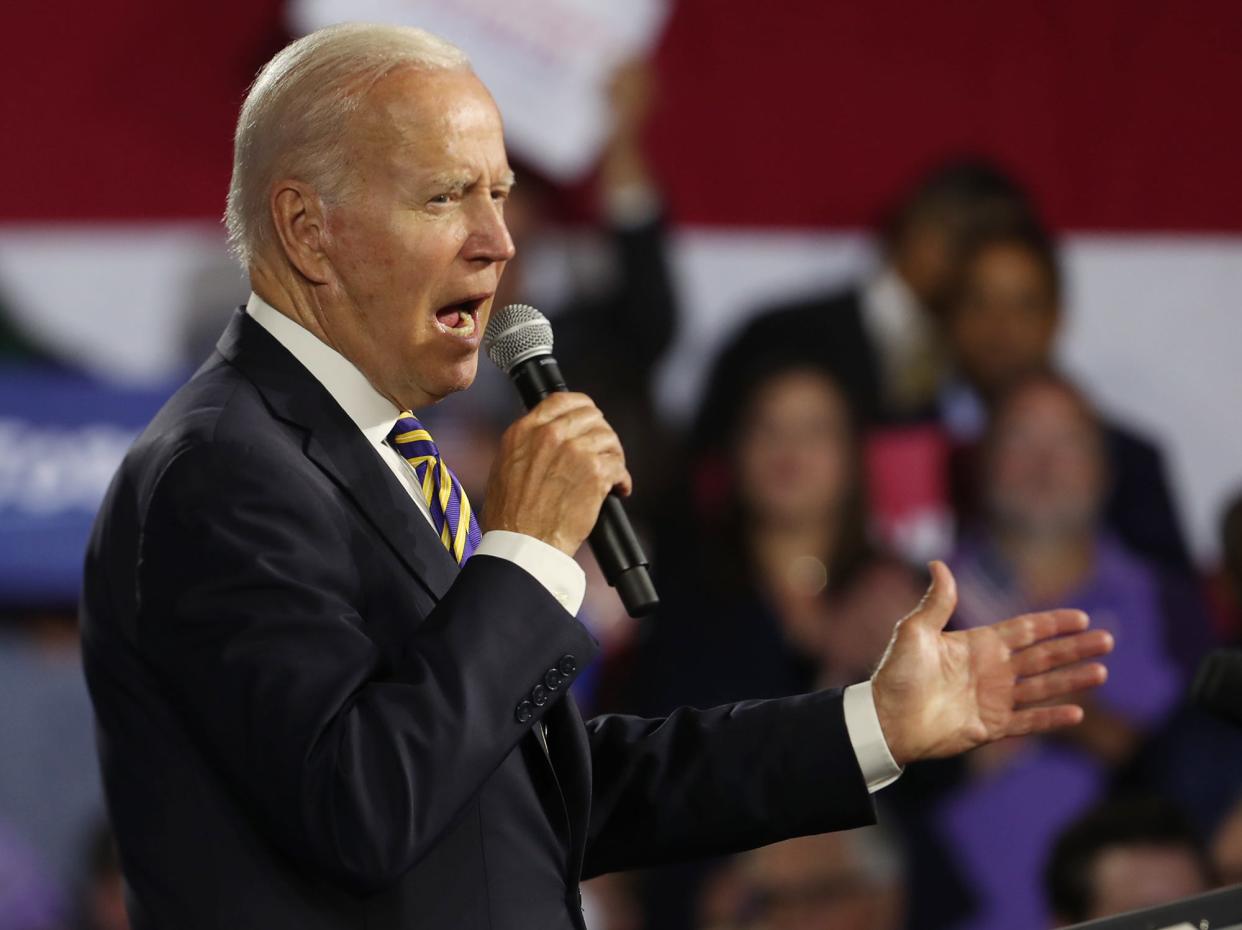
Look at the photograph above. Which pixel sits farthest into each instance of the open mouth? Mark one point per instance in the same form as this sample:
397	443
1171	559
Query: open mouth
461	318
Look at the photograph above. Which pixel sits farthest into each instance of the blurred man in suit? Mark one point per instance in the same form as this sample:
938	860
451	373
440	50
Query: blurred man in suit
327	695
880	337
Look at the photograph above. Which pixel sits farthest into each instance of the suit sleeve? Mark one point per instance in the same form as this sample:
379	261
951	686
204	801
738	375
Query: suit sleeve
355	759
645	308
1141	505
722	780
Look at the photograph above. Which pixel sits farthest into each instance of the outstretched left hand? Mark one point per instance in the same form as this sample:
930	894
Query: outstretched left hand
938	694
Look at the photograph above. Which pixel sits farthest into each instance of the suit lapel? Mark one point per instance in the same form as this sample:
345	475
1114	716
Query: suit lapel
335	444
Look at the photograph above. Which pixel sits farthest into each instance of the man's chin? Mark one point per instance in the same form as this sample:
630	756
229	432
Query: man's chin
454	381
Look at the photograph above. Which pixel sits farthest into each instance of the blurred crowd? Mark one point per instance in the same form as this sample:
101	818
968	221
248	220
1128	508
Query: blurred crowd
841	440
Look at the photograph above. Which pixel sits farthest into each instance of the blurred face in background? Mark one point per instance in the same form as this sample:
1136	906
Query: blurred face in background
1045	463
819	883
796	453
1004	321
1126	878
925	257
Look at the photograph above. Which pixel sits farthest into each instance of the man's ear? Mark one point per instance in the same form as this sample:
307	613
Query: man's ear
301	228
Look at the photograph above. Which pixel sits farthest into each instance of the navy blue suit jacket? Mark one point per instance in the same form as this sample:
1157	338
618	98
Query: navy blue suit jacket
310	717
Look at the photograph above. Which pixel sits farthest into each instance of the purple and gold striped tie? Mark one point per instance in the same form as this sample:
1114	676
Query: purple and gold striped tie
451	513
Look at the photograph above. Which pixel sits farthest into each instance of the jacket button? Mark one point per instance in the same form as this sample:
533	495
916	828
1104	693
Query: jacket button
525	711
539	695
553	679
567	666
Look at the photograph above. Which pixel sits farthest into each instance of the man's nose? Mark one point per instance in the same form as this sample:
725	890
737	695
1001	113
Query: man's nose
489	238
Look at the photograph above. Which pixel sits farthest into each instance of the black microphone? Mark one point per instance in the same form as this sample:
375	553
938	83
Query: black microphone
1218	684
519	340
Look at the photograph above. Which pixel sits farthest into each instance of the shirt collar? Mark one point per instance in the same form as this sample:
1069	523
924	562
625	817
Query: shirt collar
372	412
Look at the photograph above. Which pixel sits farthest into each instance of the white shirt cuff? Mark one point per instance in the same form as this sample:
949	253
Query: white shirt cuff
879	769
553	569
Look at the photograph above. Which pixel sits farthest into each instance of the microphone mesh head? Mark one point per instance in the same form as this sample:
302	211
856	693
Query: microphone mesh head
516	333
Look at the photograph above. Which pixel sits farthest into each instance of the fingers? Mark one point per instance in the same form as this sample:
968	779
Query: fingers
1065	650
567	422
576	418
1042	719
1027	629
1058	683
553	469
938	604
608	458
558	404
569	419
608	461
625	484
593	437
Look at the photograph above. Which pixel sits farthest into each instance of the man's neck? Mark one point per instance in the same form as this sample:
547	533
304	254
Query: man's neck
302	306
291	300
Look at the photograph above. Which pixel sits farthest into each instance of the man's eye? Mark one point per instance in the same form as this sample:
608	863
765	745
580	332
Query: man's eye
441	198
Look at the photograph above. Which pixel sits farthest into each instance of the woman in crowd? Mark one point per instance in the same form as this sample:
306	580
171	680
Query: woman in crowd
778	591
781	591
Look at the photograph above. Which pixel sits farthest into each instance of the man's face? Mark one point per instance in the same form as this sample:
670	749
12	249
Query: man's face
1003	325
418	243
1046	473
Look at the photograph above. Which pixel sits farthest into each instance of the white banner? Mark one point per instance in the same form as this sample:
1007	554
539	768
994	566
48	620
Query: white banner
547	62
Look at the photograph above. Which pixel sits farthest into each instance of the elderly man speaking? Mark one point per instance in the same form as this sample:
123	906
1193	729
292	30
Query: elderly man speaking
332	695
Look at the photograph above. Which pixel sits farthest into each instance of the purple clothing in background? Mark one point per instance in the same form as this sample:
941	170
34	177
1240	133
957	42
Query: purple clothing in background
50	792
1001	823
29	899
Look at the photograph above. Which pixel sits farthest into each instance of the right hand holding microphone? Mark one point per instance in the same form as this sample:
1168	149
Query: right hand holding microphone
553	470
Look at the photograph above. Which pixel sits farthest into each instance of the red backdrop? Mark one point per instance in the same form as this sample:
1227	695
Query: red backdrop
1120	114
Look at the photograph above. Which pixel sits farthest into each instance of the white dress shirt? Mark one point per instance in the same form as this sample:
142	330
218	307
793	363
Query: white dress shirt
375	417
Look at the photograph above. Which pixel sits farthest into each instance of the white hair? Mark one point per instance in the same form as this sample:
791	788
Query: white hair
294	120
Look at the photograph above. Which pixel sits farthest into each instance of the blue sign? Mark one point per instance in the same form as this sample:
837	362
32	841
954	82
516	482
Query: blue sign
62	436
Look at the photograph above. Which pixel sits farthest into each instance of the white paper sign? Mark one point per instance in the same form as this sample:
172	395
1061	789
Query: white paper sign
547	62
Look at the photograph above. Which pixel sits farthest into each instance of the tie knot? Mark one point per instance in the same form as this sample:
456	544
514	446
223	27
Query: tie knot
411	438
